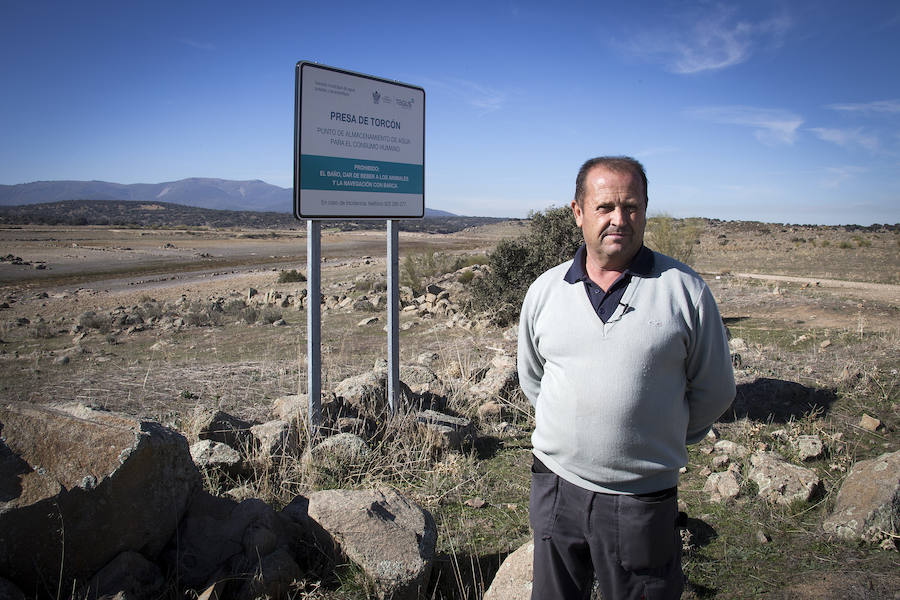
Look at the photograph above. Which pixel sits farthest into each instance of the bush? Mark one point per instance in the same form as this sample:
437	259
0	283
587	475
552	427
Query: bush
466	277
416	268
675	238
292	276
553	238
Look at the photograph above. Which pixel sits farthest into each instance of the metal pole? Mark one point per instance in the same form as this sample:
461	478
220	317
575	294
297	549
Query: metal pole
314	324
393	315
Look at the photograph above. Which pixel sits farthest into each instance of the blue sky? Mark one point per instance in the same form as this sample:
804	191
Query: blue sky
777	111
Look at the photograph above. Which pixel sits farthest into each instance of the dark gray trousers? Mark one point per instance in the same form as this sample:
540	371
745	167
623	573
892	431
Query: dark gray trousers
630	543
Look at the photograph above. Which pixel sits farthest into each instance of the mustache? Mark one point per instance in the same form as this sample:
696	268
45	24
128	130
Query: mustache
618	230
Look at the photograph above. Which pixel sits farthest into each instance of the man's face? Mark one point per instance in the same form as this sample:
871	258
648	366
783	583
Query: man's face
612	218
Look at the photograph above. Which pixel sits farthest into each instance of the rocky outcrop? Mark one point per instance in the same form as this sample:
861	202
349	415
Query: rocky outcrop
245	544
80	486
501	380
781	482
389	537
868	504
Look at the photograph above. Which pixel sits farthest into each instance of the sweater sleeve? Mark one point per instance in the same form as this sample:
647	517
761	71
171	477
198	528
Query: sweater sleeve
710	377
529	362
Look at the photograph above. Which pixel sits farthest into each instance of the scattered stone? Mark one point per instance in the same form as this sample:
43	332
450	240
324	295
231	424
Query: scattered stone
720	461
73	468
781	482
276	439
421	379
737	344
500	381
221	427
869	423
428	359
722	487
731	448
475	503
291	408
825	344
762	537
449	432
868	503
208	454
61	360
810	447
391	538
279	323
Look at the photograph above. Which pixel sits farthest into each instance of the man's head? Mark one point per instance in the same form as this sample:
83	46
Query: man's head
617	164
610	207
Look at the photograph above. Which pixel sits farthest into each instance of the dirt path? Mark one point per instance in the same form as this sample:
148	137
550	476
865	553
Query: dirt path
879	292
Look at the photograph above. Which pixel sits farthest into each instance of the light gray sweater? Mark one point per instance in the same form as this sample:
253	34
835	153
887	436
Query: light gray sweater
616	402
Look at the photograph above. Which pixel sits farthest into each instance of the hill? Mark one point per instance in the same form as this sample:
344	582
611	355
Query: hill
151	214
219	194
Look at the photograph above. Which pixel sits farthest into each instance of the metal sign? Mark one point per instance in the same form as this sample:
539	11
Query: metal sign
359	147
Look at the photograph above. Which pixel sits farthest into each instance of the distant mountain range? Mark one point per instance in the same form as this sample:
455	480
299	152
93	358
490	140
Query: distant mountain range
222	194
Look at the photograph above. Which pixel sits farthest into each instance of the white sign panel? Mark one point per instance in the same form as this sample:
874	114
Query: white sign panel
359	148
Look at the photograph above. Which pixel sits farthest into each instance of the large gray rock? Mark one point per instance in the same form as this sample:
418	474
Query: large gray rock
781	482
208	454
391	538
244	543
868	504
500	381
335	457
276	439
514	577
80	486
367	393
221	427
444	431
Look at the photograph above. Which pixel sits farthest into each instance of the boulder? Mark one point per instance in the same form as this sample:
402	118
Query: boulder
208	454
334	457
781	482
391	538
276	439
421	379
246	543
514	577
501	380
722	487
79	486
447	432
219	426
868	503
367	393
810	447
129	574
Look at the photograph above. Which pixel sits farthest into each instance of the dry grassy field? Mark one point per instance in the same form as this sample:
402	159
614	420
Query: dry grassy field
817	311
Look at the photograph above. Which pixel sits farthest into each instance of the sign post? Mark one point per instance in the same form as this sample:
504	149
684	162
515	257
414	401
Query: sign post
359	153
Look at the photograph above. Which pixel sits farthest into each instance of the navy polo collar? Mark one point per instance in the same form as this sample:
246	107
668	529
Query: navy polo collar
641	265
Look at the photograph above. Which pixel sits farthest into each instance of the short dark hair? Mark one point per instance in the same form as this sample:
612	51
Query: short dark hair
617	164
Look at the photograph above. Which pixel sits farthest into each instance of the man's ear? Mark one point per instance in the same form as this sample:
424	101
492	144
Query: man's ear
576	210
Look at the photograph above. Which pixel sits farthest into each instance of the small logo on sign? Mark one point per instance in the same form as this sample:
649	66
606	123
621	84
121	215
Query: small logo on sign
376	97
405	103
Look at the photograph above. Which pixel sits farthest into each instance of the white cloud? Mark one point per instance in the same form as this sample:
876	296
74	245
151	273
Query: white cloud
835	176
771	126
481	97
848	138
876	107
717	39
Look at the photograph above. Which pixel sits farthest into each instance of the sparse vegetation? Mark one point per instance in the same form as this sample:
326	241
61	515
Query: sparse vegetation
819	357
291	276
675	238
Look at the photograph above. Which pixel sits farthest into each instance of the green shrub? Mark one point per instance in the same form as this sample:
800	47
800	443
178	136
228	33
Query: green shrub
553	237
270	315
292	276
845	245
466	277
674	237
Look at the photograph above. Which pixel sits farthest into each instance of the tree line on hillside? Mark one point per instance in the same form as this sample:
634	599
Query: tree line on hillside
134	214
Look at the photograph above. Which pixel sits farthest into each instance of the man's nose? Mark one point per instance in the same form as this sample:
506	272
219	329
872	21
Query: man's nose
619	216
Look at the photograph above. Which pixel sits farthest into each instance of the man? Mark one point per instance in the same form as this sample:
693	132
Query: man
623	354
